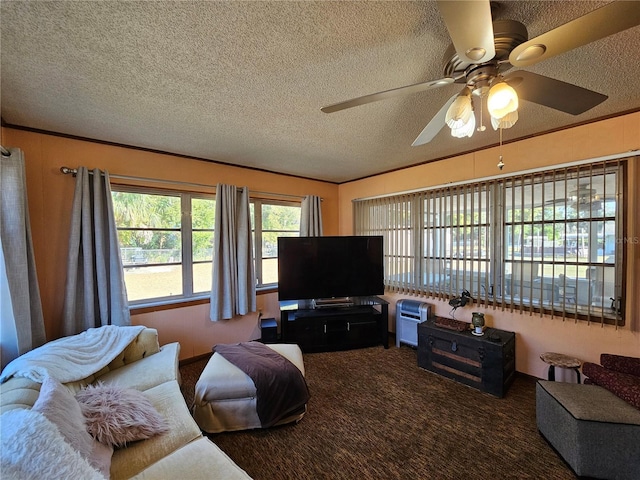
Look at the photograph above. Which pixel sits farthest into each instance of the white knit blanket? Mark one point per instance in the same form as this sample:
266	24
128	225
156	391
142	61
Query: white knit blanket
73	358
32	448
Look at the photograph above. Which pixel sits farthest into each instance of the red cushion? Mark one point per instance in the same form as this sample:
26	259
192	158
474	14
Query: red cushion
625	386
620	363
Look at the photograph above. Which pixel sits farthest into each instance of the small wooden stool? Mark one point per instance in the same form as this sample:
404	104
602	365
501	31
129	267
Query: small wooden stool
560	360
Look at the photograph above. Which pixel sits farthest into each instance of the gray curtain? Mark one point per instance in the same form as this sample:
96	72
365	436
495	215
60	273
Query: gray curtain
95	293
311	216
22	322
233	290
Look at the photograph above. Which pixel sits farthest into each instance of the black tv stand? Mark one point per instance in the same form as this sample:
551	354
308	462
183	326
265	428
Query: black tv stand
364	323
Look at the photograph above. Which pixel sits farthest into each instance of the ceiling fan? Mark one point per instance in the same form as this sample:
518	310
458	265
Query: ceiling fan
483	50
583	198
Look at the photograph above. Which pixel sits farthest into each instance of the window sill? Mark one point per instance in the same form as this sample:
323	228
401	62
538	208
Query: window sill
148	307
267	289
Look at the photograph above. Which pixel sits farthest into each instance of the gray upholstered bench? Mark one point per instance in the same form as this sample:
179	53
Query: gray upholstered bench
597	433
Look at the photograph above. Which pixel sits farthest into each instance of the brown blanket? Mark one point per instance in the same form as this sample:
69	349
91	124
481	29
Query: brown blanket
281	389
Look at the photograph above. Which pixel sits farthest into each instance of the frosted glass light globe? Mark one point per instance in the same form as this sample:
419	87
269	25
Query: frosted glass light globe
502	100
460	111
465	130
508	121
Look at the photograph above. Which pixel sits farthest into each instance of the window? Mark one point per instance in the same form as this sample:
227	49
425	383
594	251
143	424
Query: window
559	237
543	242
166	241
202	219
274	219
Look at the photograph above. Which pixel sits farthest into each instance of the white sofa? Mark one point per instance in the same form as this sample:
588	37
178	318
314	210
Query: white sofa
183	452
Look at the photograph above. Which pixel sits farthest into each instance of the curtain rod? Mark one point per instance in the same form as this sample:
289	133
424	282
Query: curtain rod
4	152
74	172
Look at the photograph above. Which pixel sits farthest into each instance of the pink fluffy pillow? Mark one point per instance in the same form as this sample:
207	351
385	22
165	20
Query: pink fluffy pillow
116	416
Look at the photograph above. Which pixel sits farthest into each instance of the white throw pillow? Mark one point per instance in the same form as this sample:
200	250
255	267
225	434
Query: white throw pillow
61	408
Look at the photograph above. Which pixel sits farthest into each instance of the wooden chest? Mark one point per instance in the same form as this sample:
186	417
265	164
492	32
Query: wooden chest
484	362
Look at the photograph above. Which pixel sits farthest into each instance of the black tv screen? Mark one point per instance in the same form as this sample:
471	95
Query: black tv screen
330	267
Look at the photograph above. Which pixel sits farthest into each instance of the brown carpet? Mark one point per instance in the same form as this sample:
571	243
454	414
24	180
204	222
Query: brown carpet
374	414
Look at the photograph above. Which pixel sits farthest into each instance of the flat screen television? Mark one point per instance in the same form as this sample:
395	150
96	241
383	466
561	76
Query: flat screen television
330	267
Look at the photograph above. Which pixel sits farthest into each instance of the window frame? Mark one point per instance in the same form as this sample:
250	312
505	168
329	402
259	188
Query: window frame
186	239
567	290
257	203
384	216
186	230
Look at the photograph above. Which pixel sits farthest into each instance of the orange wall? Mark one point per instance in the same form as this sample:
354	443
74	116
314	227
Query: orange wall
50	194
535	334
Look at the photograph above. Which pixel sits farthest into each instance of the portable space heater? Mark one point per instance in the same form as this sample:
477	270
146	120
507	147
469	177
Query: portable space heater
409	313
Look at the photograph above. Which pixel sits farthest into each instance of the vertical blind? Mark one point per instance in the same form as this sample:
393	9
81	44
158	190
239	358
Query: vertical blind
543	243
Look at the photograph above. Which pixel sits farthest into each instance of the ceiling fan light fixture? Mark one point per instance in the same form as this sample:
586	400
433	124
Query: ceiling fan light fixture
502	100
460	111
508	121
465	130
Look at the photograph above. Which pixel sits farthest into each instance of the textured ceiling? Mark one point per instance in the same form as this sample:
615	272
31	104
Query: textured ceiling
243	82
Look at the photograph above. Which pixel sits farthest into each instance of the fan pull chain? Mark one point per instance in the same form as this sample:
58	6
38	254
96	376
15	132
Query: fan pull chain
500	163
481	128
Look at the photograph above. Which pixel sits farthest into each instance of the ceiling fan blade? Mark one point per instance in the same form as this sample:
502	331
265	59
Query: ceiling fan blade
394	92
552	93
470	27
602	22
435	125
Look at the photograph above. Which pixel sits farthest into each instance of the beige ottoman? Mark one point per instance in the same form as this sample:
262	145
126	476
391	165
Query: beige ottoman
225	397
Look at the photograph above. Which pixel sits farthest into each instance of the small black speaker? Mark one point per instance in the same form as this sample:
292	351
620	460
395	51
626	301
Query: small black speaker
268	330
